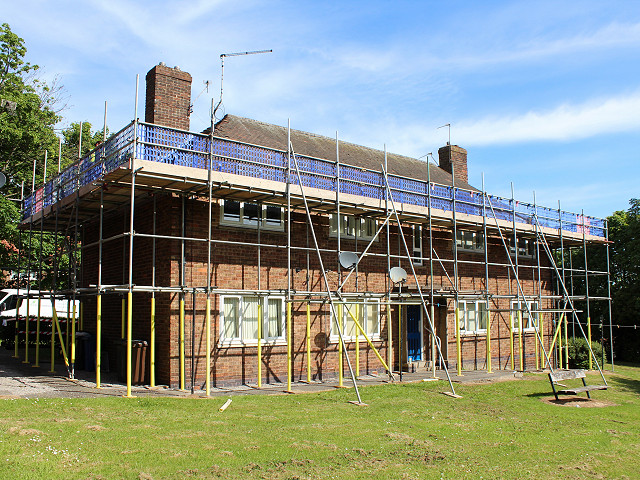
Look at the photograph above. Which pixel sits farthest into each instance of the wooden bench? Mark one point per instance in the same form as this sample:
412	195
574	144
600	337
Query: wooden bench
560	375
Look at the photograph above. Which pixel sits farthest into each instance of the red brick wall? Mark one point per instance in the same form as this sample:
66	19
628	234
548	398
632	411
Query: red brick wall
454	155
236	267
168	97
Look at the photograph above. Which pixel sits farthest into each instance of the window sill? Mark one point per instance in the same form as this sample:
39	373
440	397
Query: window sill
263	228
251	343
374	338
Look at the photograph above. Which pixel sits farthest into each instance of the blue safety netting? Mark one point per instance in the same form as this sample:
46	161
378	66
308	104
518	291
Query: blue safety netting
175	147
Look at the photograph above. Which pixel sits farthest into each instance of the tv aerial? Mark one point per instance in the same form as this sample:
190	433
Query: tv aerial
222	57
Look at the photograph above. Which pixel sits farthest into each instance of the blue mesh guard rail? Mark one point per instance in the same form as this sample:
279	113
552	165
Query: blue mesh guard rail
177	147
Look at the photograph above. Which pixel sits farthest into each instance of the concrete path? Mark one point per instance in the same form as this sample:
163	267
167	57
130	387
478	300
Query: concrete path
20	380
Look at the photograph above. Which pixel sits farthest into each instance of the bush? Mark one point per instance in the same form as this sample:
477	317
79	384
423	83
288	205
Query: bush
579	352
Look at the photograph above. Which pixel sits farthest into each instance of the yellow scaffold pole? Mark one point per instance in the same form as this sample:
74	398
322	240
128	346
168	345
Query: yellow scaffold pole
260	343
289	347
400	345
152	342
98	339
511	348
73	339
488	341
181	340
433	343
520	340
458	345
26	334
340	361
566	342
308	342
357	343
589	340
561	362
208	336
60	337
129	339
37	364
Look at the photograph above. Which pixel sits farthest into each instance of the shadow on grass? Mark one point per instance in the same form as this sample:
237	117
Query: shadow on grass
625	384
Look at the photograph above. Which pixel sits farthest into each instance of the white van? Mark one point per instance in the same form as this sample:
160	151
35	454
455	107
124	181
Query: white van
10	298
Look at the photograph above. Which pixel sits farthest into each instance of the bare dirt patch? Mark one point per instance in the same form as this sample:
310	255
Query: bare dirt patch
579	402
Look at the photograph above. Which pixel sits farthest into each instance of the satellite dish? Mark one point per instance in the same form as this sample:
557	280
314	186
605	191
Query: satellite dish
3	179
398	275
348	260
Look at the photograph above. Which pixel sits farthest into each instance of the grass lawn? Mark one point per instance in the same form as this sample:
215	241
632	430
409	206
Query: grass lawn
500	430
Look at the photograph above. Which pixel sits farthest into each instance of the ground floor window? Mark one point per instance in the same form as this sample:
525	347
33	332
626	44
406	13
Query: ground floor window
528	323
240	318
366	312
473	316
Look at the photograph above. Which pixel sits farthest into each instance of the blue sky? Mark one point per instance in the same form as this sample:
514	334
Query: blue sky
542	94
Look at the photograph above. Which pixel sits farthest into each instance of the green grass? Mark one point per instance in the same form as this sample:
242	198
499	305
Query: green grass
501	430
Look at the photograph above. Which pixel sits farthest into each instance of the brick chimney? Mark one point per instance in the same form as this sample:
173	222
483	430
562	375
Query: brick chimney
456	156
168	98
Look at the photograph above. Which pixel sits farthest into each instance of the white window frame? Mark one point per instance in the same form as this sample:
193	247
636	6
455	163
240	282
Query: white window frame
238	340
362	316
417	245
479	313
470	240
526	247
529	326
352	227
245	222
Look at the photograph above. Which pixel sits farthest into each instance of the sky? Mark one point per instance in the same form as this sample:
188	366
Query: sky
544	95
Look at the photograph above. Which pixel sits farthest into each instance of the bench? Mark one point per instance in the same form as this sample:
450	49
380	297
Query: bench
560	375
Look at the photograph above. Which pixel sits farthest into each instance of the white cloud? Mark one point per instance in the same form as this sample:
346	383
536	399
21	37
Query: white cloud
563	123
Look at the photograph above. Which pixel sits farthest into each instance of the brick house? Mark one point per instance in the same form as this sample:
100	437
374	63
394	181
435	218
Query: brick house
224	215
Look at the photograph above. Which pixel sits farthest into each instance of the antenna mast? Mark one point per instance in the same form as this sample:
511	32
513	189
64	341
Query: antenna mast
222	57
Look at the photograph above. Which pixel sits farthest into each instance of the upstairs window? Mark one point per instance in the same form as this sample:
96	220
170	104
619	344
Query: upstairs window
470	241
352	227
251	215
526	247
417	245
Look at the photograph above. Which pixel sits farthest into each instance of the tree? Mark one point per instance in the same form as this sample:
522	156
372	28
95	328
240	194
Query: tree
27	119
624	264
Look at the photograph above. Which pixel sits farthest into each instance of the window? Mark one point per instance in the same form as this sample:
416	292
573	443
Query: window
528	323
240	318
417	245
368	315
526	247
352	227
251	215
470	241
473	316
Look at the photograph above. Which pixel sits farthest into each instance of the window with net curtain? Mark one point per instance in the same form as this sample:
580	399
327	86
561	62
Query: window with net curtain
473	316
240	317
368	316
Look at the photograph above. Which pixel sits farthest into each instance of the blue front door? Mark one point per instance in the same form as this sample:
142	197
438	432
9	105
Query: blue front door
414	338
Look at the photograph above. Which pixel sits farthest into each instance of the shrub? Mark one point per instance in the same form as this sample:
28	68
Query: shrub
579	352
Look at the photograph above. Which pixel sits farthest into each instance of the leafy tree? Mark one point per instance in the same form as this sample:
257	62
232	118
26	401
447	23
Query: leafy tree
624	264
27	118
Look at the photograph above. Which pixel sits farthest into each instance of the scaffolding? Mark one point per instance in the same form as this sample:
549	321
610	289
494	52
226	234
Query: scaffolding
143	163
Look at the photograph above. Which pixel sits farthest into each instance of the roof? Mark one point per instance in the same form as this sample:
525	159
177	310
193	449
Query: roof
262	134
